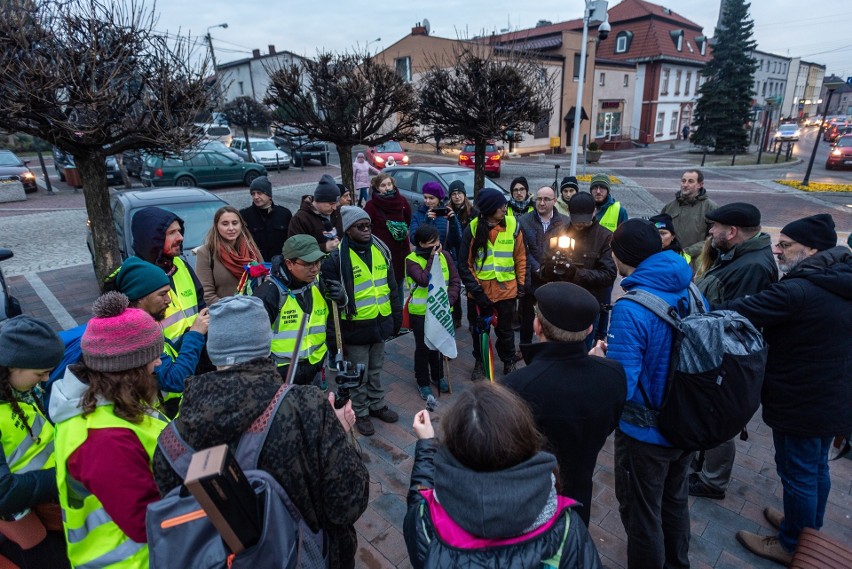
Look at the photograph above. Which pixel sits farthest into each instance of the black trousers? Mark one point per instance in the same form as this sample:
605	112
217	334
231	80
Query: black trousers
427	363
505	334
526	306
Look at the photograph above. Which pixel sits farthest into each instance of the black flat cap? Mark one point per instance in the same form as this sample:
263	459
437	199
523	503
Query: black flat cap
738	214
567	306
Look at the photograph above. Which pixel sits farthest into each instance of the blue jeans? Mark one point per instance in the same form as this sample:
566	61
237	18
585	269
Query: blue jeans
802	465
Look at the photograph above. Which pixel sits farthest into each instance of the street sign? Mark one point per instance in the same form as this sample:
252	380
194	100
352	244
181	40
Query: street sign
849	80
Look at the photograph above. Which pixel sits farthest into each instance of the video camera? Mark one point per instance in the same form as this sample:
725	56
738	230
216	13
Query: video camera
348	377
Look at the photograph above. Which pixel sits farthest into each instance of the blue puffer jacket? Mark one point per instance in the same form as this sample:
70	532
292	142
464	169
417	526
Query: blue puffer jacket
448	228
640	340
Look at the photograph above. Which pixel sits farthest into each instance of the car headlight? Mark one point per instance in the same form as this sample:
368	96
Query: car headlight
28	176
836	152
405	159
379	160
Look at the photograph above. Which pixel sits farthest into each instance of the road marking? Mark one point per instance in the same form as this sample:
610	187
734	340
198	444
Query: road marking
51	302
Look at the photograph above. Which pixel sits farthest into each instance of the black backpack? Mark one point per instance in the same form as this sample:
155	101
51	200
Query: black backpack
715	375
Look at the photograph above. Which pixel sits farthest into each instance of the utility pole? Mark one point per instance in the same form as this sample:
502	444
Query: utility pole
219	95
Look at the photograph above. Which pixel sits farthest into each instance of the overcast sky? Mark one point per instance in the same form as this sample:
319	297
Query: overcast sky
817	32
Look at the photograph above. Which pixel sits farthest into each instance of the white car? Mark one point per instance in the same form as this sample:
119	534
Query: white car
787	132
264	151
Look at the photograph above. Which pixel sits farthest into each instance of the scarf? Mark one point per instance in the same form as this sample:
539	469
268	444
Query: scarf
235	258
520	207
392	207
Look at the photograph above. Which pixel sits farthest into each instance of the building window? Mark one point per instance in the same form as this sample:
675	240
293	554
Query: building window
626	80
688	83
660	120
678	74
764	90
240	83
622	42
602	80
403	68
664	84
576	67
697	82
673	124
542	127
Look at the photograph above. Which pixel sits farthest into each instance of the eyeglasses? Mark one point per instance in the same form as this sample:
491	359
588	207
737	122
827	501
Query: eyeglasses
302	263
363	226
598	189
784	245
519	189
544	200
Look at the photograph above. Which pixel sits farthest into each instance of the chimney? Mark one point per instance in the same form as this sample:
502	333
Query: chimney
419	30
255	54
271	50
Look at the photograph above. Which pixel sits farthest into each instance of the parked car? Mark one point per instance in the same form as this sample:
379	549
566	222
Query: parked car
204	169
410	179
300	147
391	153
9	305
62	160
133	161
219	146
467	158
220	132
840	155
831	129
13	168
263	151
194	206
838	132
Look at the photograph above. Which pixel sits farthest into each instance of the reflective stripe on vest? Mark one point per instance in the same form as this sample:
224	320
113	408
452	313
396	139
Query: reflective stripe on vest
372	293
420	294
500	256
172	353
686	256
286	328
610	217
23	452
183	309
94	540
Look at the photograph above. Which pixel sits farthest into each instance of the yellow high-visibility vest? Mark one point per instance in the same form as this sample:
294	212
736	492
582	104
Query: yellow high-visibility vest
183	309
372	293
499	261
420	294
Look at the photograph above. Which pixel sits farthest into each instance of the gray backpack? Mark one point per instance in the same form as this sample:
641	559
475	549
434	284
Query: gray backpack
177	539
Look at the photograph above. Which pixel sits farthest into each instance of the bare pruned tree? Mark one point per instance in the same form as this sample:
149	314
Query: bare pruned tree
346	99
94	78
478	92
245	113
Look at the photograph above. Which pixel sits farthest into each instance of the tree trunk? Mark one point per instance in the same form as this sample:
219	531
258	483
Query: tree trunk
479	167
96	193
345	155
248	144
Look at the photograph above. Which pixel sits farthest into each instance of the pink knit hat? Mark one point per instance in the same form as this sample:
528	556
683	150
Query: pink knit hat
119	338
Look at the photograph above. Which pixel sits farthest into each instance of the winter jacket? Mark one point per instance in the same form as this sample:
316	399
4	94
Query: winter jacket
577	400
592	259
309	221
460	518
641	341
806	319
562	207
217	280
381	210
361	174
746	269
420	276
689	216
493	289
449	228
306	451
268	228
536	240
600	210
148	228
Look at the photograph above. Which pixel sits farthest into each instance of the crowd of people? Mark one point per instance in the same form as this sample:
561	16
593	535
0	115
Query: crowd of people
310	299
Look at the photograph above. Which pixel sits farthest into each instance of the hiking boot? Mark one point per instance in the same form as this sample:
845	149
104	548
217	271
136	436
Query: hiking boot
478	372
773	516
385	415
365	426
767	547
442	384
425	392
508	367
702	490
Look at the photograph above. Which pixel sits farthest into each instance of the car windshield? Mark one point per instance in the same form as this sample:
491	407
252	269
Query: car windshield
217	146
260	145
466	178
218	131
844	142
472	148
787	128
392	146
197	218
9	159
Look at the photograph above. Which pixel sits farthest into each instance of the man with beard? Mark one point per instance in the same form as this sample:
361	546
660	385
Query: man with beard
689	212
806	318
608	212
319	217
268	223
744	265
586	261
521	202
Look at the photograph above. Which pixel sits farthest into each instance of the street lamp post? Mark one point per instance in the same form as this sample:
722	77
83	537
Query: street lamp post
219	95
592	7
831	86
367	46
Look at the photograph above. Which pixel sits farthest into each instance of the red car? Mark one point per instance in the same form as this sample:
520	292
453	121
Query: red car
840	155
830	132
492	158
390	153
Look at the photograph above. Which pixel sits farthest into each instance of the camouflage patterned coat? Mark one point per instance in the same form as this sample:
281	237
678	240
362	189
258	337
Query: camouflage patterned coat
306	451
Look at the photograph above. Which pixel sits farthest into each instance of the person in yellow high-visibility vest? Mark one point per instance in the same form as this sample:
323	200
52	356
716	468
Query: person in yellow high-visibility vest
608	212
31	520
106	434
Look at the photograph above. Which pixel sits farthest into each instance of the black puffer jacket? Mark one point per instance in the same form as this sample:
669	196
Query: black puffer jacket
807	319
306	451
746	269
268	228
477	504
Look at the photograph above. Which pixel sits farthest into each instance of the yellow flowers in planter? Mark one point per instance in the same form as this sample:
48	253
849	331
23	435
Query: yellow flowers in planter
588	178
816	186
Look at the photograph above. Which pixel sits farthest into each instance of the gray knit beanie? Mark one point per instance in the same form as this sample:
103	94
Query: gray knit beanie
239	331
27	343
350	215
261	184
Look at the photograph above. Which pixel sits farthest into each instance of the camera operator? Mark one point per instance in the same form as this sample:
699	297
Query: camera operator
581	254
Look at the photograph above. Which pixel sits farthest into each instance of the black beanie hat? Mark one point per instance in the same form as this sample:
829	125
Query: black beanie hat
570	181
326	190
663	221
816	231
567	306
490	200
635	240
522	181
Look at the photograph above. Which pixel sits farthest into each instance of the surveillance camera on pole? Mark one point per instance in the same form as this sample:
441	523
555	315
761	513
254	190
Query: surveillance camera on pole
603	30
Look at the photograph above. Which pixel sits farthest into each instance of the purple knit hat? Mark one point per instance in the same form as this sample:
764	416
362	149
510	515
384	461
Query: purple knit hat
434	189
119	338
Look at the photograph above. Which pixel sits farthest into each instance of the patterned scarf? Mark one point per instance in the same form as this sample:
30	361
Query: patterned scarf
235	258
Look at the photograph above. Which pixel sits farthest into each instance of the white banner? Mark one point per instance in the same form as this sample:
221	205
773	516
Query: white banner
439	332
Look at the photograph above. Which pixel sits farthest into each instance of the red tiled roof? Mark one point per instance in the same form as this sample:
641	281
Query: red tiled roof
637	9
651	39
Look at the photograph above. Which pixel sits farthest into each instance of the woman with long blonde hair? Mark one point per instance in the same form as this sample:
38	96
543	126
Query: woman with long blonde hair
228	247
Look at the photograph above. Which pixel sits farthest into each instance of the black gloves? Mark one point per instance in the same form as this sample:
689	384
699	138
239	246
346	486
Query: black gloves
484	303
334	291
